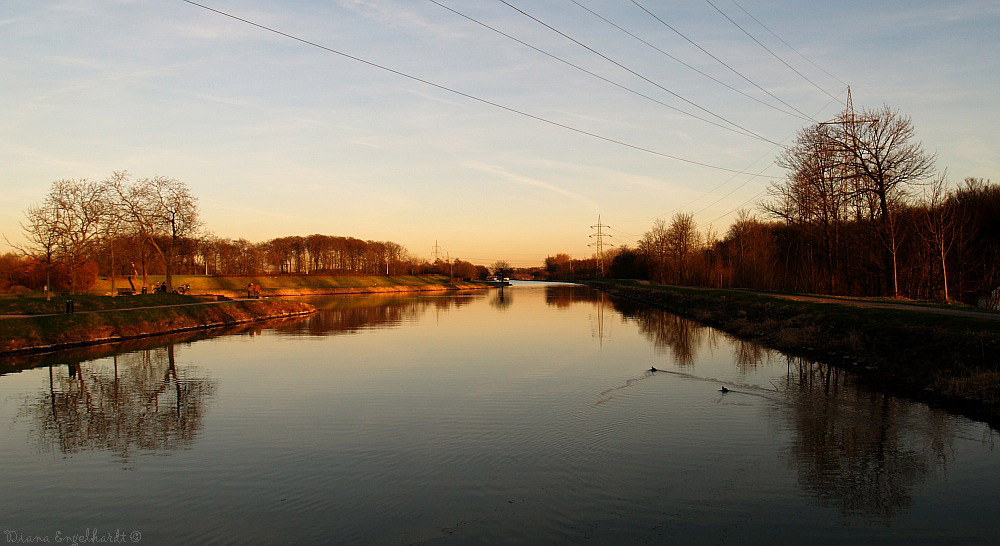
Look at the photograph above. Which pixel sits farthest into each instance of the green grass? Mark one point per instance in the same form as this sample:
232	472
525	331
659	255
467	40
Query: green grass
36	305
916	303
206	284
19	334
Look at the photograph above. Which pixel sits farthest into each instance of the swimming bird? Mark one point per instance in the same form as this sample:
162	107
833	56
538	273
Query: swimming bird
653	369
723	390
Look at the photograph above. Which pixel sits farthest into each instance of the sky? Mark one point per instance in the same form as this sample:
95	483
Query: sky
499	129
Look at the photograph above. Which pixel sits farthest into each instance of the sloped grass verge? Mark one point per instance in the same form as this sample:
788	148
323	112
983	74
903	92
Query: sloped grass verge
47	333
947	361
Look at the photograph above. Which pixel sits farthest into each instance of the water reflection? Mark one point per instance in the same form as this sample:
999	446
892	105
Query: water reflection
439	437
748	355
860	451
501	299
853	449
351	314
563	296
683	338
139	400
18	363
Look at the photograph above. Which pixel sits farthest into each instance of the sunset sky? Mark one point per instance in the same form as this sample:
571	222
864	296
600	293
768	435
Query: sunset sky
460	134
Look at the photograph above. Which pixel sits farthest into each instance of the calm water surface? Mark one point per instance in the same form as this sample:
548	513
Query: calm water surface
526	418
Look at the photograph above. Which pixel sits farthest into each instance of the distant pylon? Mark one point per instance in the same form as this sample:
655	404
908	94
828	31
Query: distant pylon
600	244
850	121
436	250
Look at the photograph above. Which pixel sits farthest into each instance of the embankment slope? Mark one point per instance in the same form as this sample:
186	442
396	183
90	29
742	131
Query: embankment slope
54	332
945	360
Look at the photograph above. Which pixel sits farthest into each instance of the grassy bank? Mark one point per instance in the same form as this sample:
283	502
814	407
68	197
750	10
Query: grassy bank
948	361
37	305
45	333
289	285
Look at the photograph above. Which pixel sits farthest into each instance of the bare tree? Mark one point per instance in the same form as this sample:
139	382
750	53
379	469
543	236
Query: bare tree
42	237
815	195
501	268
683	239
80	207
884	159
939	225
655	246
162	210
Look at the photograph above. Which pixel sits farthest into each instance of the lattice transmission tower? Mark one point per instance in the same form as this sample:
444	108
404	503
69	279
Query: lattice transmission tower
598	237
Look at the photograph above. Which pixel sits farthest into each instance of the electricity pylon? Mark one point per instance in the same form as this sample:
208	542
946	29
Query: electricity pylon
600	244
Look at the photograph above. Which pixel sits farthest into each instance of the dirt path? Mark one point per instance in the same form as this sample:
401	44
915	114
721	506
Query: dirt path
883	305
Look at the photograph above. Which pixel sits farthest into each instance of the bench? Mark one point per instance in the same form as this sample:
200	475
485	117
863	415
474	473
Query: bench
126	292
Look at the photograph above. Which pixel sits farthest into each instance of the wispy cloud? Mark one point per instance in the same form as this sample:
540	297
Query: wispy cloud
531	182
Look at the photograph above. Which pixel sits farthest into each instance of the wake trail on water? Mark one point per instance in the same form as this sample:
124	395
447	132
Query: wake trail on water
605	396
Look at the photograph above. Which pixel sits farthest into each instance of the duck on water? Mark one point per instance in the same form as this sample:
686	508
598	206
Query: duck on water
723	390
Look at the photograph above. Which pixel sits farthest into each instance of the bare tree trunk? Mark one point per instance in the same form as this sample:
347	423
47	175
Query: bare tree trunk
72	274
114	293
944	273
895	274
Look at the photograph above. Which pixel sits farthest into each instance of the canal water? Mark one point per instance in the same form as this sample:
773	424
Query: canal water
526	416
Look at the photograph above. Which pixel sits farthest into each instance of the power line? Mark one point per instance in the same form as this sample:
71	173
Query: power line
623	67
747	181
775	55
599	243
598	76
720	61
732	191
466	95
762	192
696	69
750	15
753	176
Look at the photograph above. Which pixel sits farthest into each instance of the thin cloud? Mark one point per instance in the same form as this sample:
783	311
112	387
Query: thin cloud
532	182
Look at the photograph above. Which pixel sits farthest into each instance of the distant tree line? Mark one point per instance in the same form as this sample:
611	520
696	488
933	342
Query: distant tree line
125	227
861	212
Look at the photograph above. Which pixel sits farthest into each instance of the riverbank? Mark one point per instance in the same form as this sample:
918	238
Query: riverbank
302	285
945	360
43	333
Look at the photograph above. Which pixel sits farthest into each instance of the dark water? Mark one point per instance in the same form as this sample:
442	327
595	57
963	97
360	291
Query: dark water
459	419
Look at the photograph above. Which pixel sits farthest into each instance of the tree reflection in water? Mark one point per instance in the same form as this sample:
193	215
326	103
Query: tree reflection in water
681	337
860	451
750	356
350	314
501	298
138	400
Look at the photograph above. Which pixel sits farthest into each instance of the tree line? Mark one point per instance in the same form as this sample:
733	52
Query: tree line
128	227
861	212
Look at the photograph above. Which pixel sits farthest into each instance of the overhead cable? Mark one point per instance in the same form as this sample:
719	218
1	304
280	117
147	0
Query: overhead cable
598	76
773	54
720	61
623	67
467	95
694	68
765	27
